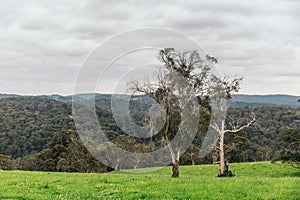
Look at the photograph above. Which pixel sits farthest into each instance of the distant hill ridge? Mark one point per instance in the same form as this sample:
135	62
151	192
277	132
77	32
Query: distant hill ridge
238	100
276	99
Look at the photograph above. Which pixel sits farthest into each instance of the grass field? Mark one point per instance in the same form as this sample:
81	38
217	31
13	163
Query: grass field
252	181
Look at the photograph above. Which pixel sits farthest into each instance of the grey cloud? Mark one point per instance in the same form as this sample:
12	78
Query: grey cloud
232	7
43	43
288	75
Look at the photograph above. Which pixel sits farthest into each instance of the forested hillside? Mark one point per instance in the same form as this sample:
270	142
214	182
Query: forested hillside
39	134
262	141
27	124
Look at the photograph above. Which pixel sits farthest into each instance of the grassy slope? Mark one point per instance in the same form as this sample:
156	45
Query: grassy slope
253	181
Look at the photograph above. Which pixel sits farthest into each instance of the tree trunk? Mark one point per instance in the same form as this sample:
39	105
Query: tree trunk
223	167
175	169
193	162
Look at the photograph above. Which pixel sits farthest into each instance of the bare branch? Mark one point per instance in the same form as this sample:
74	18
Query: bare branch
242	127
215	127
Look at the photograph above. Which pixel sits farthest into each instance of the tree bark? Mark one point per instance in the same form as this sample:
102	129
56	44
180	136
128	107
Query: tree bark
175	169
222	156
193	162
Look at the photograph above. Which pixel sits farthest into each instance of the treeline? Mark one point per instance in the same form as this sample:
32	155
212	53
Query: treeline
64	153
263	141
39	134
27	124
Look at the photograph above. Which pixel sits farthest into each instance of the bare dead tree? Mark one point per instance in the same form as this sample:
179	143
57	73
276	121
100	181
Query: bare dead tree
222	90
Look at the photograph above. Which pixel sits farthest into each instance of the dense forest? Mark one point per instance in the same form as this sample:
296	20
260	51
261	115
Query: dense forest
38	133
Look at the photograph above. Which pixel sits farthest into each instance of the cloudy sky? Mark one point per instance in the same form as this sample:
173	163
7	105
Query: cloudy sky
44	43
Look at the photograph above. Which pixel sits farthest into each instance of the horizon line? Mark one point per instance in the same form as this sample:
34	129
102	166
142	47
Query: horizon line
51	94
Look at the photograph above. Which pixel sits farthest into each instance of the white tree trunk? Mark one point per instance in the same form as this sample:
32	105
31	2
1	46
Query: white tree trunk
222	154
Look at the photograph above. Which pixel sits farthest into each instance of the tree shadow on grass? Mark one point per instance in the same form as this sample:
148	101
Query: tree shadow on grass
289	174
13	198
294	174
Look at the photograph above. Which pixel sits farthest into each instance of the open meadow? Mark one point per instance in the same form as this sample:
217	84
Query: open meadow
252	181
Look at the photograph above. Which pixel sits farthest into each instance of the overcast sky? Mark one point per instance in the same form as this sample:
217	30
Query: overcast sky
44	43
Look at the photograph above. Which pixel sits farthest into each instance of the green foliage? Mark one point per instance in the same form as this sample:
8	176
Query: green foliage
253	181
261	142
291	146
35	131
65	153
27	124
7	162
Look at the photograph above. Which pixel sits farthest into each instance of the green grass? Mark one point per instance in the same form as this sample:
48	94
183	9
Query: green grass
252	181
